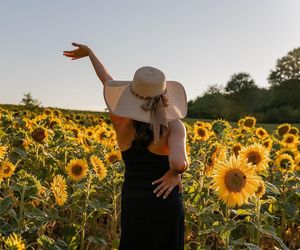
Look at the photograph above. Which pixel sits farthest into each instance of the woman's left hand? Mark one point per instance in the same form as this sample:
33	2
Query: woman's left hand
169	181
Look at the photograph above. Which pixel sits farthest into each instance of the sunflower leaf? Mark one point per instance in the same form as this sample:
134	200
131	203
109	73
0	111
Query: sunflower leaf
271	188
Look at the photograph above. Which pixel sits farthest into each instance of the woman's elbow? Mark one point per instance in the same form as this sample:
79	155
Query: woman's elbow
179	166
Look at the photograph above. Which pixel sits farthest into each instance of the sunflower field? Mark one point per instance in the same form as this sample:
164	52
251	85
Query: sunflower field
61	176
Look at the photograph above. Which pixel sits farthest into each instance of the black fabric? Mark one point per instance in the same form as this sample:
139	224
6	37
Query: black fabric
149	222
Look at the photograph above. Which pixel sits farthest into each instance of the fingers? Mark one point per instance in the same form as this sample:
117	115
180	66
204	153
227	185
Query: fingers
166	187
168	192
158	187
158	180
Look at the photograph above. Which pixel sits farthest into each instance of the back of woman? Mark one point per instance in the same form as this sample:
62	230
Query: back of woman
149	221
146	113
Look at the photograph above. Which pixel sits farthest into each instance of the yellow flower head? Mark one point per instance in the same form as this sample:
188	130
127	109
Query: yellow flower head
77	169
14	241
294	131
284	163
268	143
249	121
113	156
283	129
59	189
99	167
289	140
235	181
7	169
290	151
3	151
102	135
261	133
39	134
261	189
201	133
256	154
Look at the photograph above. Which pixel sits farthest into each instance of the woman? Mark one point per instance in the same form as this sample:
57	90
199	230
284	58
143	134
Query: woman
146	116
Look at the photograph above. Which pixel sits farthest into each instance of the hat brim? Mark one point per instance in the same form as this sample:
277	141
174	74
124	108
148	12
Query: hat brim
121	102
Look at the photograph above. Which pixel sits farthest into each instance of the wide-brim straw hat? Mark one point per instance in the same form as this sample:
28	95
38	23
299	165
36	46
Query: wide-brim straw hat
148	91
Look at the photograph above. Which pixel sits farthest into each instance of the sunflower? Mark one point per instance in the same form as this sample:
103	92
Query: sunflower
261	133
47	112
290	151
59	189
113	156
249	121
3	151
285	163
39	134
99	167
241	122
101	135
268	143
261	189
218	154
294	131
289	140
7	169
206	125
56	112
283	129
220	125
235	181
14	241
256	154
201	133
89	133
77	169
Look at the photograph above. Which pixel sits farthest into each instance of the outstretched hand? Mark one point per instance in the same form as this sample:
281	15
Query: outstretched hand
82	51
169	181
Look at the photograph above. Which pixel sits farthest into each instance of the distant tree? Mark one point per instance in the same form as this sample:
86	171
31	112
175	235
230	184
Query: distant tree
239	82
29	101
287	68
213	89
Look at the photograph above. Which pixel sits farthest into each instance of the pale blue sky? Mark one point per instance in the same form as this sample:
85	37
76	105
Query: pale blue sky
195	42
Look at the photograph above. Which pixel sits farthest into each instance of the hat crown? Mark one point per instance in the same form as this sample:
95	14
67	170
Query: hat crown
149	81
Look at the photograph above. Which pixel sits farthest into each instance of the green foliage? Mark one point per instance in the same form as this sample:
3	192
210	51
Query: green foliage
29	101
287	68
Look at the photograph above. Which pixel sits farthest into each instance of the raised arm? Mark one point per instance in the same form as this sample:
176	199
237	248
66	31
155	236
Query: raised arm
84	51
101	71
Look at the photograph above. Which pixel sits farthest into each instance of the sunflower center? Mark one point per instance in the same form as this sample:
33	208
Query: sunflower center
77	170
235	180
38	134
289	139
285	163
283	130
261	132
249	123
201	132
254	157
6	170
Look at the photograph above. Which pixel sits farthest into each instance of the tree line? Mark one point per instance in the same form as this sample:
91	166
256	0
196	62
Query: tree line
279	102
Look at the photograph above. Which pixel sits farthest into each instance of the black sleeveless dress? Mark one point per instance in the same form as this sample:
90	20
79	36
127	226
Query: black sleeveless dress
149	222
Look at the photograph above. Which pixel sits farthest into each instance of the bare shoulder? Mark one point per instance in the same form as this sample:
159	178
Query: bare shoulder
177	127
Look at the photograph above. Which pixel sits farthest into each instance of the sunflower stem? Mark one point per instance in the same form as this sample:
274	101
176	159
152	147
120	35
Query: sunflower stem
84	220
257	220
227	212
21	206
